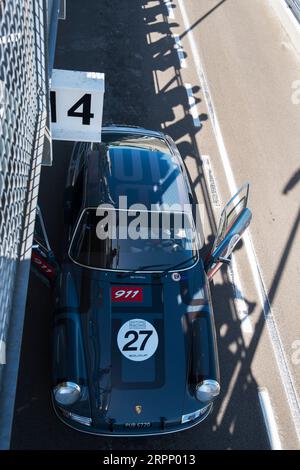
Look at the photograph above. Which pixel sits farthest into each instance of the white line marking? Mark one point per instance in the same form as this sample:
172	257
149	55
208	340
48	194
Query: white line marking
288	21
180	51
193	105
269	419
168	4
279	352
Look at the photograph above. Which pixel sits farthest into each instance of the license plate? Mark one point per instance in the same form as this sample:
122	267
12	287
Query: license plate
137	425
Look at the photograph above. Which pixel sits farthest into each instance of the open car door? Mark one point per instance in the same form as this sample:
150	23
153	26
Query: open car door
43	263
234	220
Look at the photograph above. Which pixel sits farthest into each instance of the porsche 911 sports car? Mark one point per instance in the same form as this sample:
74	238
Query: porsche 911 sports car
134	343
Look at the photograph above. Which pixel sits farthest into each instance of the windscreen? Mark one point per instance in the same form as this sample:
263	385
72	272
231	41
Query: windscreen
129	240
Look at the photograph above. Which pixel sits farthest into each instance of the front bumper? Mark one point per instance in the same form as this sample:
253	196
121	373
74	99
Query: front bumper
120	430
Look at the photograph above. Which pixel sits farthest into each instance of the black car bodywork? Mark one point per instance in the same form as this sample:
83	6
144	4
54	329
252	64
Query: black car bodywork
144	382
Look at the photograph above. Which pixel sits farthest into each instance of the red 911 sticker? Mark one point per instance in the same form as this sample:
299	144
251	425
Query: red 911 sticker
127	294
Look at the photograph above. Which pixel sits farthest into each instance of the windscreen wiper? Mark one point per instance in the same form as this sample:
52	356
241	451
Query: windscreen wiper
179	265
142	268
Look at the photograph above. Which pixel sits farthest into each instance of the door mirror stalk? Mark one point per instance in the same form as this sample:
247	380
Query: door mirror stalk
224	260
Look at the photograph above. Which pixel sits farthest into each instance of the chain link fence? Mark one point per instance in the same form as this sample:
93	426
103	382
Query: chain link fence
23	115
295	6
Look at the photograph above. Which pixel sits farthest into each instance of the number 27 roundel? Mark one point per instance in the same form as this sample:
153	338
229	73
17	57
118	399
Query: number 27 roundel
137	339
126	294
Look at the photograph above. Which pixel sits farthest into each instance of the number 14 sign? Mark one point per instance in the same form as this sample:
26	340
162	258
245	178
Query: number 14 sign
76	100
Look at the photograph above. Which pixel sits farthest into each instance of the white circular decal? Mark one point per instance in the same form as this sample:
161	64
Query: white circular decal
137	340
176	277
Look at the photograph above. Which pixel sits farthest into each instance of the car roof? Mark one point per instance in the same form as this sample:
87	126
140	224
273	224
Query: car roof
139	166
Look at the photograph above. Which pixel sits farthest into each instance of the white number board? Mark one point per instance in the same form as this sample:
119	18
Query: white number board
76	100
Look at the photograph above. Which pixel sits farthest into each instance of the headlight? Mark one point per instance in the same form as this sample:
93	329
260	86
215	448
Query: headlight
67	393
207	390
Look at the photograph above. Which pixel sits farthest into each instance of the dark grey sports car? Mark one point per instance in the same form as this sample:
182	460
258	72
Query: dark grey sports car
134	344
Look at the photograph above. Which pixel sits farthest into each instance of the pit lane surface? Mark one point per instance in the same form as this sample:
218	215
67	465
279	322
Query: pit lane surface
152	81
